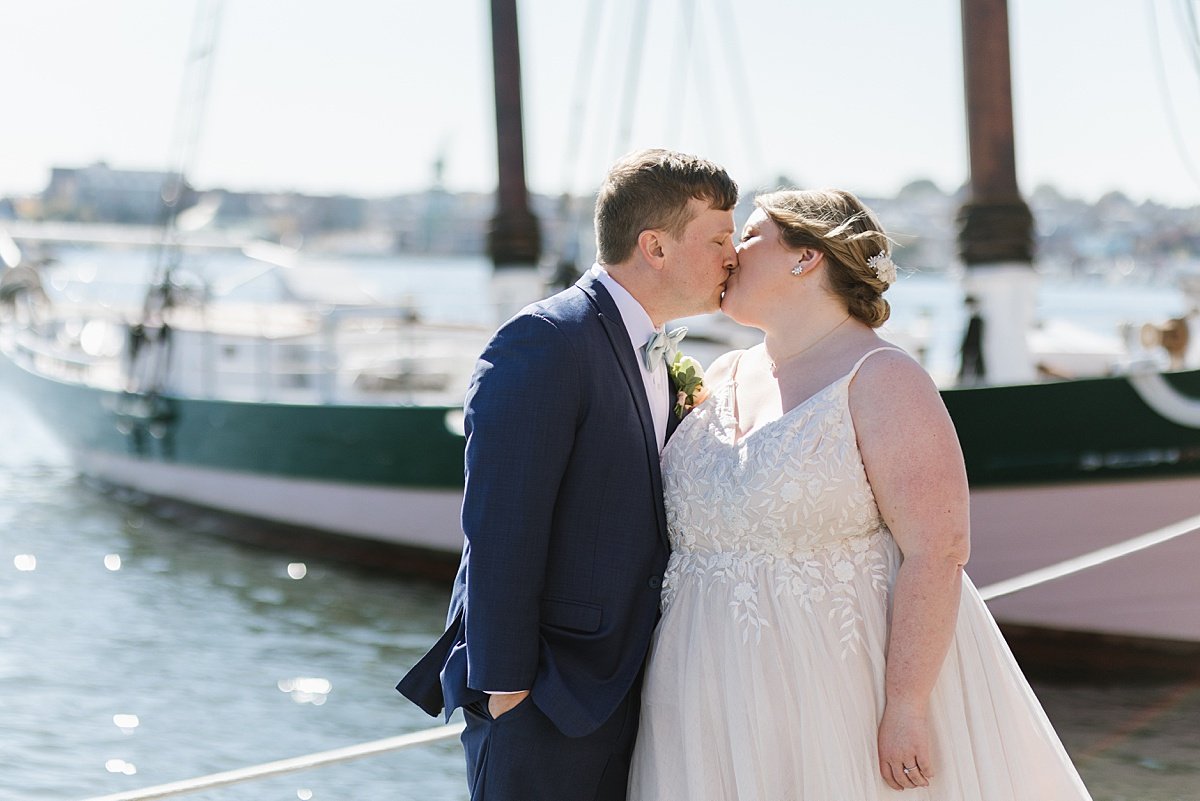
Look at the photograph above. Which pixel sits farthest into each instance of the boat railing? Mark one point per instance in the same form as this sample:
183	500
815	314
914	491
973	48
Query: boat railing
347	355
291	354
43	351
1025	581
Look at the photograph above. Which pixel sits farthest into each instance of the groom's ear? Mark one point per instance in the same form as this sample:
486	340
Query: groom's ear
650	245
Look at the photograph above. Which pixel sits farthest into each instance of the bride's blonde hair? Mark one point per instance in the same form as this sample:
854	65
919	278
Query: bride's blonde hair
836	223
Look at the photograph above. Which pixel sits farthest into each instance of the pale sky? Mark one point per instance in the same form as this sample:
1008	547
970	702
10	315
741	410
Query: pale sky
360	96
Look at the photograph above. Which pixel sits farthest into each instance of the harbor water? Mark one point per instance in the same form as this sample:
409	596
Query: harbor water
137	650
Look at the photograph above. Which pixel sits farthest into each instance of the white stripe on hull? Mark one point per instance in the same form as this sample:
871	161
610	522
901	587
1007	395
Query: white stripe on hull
1152	593
420	518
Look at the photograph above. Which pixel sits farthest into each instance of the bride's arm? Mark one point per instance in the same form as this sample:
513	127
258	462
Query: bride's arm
915	467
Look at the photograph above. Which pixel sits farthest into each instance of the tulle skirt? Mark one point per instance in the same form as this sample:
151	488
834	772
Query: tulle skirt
757	693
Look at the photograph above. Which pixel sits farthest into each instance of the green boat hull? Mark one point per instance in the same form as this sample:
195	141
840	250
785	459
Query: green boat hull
1079	430
1040	434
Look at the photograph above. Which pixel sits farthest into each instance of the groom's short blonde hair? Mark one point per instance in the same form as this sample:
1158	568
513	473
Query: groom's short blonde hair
650	190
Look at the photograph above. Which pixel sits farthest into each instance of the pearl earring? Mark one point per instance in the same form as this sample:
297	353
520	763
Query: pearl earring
799	268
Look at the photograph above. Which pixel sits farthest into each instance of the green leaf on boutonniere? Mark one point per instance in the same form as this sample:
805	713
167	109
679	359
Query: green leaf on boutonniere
688	377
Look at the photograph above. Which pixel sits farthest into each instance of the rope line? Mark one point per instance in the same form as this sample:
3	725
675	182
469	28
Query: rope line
1098	557
283	766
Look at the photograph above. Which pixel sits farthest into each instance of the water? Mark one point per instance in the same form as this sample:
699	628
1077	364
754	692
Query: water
125	614
193	635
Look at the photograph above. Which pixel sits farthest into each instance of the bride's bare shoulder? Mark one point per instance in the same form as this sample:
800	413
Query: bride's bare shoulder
893	386
723	366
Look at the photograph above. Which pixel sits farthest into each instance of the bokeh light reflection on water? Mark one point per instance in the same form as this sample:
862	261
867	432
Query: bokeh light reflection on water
306	690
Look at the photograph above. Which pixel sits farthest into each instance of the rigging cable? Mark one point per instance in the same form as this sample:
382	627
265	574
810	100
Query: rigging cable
583	79
676	110
568	207
705	80
632	79
747	122
189	119
1168	103
185	143
1187	15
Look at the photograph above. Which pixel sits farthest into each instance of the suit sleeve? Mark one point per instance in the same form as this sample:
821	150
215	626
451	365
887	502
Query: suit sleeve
521	413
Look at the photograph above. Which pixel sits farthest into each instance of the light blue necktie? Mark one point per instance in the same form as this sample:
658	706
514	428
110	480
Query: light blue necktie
662	345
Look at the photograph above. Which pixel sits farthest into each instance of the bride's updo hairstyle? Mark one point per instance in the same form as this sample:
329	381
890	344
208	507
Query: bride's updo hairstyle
837	224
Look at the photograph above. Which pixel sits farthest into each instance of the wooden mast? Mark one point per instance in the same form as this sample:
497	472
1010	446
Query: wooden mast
995	225
513	240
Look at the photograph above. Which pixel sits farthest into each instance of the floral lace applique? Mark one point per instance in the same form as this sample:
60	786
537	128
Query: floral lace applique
782	514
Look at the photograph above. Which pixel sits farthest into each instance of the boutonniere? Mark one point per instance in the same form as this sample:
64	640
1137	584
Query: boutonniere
688	377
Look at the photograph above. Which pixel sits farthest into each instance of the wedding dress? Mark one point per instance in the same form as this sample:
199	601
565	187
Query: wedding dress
766	673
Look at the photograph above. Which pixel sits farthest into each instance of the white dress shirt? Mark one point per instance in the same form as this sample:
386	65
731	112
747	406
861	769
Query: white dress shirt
640	328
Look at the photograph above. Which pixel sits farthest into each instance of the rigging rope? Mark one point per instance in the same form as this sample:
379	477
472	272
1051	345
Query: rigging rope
632	79
583	78
747	118
677	108
1187	14
185	143
1168	103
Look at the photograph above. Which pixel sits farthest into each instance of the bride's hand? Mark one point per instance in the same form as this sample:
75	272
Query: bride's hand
904	744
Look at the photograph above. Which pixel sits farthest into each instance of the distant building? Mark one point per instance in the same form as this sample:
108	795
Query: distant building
98	193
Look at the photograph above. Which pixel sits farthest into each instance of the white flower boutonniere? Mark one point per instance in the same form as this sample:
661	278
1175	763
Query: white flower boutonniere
688	377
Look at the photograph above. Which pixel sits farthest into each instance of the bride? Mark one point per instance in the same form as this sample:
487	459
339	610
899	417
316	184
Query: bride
819	639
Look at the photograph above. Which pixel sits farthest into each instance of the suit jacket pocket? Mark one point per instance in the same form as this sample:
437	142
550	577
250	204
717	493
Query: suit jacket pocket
574	615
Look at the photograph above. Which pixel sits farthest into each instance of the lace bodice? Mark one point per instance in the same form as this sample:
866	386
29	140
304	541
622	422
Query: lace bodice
787	505
794	484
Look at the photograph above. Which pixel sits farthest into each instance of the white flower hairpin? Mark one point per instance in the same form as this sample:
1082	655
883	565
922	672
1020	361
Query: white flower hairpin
884	267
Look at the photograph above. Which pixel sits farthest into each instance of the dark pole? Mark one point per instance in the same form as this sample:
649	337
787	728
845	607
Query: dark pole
995	225
513	239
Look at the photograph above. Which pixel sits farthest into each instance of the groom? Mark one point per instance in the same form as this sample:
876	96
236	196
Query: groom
566	538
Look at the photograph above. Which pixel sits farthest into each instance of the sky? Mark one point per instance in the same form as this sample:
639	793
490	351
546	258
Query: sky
363	96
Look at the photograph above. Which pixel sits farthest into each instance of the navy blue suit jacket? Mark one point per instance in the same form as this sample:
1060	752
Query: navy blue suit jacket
566	538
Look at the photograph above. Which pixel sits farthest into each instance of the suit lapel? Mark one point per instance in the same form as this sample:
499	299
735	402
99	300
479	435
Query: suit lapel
672	418
618	338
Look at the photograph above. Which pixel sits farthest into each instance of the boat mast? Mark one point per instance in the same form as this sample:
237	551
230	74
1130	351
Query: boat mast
995	225
514	241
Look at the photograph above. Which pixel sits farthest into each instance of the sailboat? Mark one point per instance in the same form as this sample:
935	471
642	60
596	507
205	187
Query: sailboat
338	425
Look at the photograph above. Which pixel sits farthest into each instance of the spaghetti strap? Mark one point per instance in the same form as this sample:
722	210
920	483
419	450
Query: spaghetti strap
854	370
737	360
733	398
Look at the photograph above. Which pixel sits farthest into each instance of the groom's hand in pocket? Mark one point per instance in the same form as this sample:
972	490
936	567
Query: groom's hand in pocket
499	704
